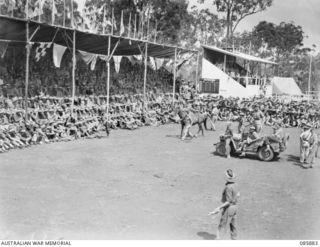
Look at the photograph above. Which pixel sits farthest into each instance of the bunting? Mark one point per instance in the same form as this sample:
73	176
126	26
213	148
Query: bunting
138	59
130	58
41	50
89	58
159	62
117	61
152	63
58	51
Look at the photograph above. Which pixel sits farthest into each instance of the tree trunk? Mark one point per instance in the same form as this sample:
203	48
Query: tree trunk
228	24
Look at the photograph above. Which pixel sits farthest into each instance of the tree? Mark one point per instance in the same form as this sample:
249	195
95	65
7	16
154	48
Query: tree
237	10
284	38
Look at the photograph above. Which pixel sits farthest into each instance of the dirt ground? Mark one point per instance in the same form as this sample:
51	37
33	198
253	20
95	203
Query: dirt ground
147	184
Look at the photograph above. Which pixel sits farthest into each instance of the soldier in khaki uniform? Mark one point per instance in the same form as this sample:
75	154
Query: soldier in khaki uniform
228	207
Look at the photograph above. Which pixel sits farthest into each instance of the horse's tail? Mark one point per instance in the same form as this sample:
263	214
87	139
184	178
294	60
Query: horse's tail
205	121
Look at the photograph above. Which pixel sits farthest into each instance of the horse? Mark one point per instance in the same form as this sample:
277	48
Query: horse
190	118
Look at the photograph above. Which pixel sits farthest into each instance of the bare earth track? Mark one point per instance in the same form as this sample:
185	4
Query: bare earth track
147	184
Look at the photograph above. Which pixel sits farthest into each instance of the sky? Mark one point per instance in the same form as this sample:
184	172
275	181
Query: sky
305	13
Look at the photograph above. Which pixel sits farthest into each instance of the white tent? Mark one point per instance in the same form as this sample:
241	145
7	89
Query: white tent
285	86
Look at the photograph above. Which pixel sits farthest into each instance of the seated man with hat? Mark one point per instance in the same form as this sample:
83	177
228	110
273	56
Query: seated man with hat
252	137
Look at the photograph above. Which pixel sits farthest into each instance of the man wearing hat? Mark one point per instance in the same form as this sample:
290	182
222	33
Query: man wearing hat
318	147
214	115
258	118
305	143
313	141
253	136
228	208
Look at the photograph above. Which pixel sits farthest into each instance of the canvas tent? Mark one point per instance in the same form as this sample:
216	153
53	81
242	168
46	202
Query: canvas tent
285	86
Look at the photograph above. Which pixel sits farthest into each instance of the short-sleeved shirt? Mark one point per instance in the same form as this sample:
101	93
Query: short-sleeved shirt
230	194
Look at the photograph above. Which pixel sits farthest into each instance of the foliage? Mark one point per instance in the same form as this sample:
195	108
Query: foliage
237	10
285	37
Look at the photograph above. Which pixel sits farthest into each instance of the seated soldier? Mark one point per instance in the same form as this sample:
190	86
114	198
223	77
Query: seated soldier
25	135
14	138
42	137
252	137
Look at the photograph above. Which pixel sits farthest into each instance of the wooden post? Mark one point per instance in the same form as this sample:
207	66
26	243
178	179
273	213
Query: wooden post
64	13
309	79
197	70
27	68
73	70
225	63
174	75
52	13
145	74
108	77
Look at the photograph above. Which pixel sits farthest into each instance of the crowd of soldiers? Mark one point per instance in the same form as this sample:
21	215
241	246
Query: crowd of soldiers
49	119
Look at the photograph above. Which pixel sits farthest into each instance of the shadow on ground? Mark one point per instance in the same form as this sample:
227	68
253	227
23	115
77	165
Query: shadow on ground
207	236
295	160
173	136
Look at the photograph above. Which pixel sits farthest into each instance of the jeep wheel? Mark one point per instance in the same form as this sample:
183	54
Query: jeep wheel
266	154
221	148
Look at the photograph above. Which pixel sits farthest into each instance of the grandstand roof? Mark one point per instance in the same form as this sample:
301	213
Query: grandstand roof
218	52
13	30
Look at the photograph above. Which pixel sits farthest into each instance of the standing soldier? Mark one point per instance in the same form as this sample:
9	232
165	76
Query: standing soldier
318	147
214	116
242	119
228	208
258	118
304	143
313	141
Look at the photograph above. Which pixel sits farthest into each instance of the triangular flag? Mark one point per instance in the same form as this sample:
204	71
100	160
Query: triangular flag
152	63
94	62
103	57
130	58
114	21
58	51
121	24
89	58
159	62
41	50
117	61
138	57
